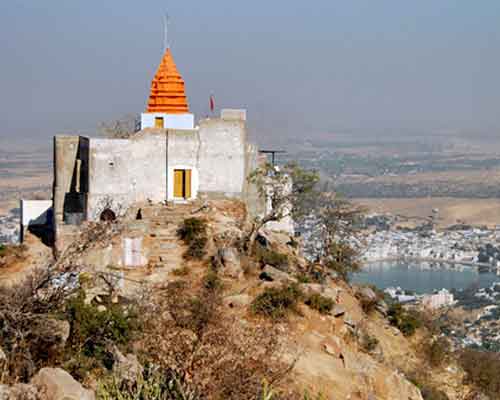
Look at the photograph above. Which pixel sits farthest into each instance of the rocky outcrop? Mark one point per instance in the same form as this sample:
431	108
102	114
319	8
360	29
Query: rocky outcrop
57	384
230	262
126	368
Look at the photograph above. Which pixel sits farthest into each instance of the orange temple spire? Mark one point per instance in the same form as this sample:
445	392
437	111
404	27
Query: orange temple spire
168	94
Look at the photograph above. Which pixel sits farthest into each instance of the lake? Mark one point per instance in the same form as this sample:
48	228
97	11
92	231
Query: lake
422	277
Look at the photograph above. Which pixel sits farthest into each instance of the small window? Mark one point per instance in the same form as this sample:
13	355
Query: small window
159	122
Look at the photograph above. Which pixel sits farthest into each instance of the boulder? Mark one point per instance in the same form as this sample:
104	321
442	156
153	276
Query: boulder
366	293
382	308
238	301
231	263
126	368
312	288
331	293
3	357
338	311
57	384
349	322
272	274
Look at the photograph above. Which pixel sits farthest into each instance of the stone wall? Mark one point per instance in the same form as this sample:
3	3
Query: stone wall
222	165
65	154
125	171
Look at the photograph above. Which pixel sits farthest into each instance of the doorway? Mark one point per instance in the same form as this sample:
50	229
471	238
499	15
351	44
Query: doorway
159	122
182	183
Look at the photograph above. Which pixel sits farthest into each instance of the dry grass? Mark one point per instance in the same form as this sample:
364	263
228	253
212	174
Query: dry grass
471	211
221	355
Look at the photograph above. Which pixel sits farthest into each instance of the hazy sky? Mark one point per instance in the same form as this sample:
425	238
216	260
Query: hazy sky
299	67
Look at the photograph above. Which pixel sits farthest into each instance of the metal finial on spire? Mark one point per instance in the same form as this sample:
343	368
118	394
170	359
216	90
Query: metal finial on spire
166	43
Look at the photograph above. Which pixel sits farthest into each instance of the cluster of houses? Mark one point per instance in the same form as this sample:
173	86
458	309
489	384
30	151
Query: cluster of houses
471	245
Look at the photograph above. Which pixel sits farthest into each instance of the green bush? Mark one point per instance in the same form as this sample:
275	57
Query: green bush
193	232
276	303
303	277
320	303
407	321
2	250
211	280
343	260
92	330
271	257
438	351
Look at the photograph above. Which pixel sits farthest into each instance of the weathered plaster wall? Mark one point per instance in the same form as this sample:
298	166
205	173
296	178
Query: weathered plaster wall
124	171
65	154
222	157
256	205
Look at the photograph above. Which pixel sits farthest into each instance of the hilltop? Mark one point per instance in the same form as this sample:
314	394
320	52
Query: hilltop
204	318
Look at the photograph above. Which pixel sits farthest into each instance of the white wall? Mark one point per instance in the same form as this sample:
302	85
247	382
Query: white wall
34	212
222	156
126	171
170	121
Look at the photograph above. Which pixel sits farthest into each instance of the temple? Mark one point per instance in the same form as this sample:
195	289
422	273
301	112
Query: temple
169	159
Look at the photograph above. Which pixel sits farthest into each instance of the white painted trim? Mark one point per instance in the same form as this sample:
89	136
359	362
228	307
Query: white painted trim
195	181
170	121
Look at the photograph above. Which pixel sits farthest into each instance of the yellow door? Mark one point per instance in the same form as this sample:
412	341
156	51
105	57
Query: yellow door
179	183
158	122
187	184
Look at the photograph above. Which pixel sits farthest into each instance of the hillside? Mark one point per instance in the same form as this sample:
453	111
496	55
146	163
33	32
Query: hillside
204	318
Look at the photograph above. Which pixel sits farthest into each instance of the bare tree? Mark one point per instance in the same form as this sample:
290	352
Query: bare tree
121	128
338	226
288	191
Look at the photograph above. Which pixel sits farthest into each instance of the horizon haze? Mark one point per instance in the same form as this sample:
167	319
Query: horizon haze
299	70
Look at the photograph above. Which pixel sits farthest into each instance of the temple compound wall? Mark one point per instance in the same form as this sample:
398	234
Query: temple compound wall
92	175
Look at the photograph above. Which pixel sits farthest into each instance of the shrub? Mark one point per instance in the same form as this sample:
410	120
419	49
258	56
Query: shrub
211	280
9	253
320	303
270	257
368	342
303	277
152	385
26	335
193	232
223	357
482	370
407	321
342	260
92	330
432	393
182	271
276	303
438	351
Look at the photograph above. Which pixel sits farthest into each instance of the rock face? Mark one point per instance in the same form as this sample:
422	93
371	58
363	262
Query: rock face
57	384
231	263
366	293
126	368
239	300
272	274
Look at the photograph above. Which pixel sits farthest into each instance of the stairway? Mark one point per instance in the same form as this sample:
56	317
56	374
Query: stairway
166	250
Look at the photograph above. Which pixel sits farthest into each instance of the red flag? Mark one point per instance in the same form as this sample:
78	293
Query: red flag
212	103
